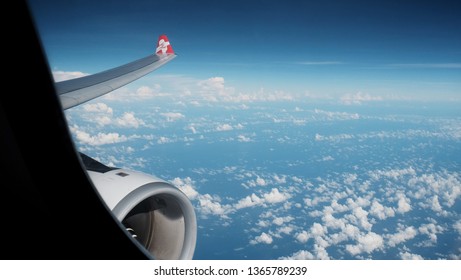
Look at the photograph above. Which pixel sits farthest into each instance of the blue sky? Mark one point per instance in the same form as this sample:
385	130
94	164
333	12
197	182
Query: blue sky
387	49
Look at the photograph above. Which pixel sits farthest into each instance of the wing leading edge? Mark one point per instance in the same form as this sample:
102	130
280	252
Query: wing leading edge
77	91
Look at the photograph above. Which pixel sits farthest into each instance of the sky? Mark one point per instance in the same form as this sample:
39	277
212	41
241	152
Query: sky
320	49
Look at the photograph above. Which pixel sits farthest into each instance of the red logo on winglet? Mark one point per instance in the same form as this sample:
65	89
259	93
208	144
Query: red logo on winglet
163	45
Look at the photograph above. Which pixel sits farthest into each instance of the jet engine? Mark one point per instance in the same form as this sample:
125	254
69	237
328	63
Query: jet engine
156	213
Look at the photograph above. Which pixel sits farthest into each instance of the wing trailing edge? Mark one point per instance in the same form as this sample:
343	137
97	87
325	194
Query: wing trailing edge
77	91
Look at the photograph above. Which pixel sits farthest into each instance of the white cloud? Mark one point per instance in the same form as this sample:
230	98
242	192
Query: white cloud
358	202
321	252
102	114
281	220
224	127
280	179
358	98
431	231
98	139
447	187
207	204
172	117
297	180
212	84
243	138
102	120
394	174
300	255
333	138
327	158
97	108
317	230
337	207
263	238
129	120
59	76
401	236
146	92
380	211
142	93
210	205
302	237
186	186
319	137
452	188
351	231
253	200
278	221
267	215
457	226
410	256
403	203
350	178
436	207
249	201
275	196
215	90
262	223
164	140
260	181
312	202
286	229
98	113
362	218
366	243
330	221
328	115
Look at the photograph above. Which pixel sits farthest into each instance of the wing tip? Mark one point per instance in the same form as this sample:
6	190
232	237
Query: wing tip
163	45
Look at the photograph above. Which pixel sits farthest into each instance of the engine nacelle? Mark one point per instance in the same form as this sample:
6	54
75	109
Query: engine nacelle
157	214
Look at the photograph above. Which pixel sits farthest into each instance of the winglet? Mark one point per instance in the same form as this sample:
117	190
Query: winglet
163	46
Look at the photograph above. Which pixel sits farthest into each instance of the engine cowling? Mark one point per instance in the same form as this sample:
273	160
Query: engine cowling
157	214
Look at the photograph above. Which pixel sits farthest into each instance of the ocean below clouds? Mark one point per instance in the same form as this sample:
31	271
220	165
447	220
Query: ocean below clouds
297	180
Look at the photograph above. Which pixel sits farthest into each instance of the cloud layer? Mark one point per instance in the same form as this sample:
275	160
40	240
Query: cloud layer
298	180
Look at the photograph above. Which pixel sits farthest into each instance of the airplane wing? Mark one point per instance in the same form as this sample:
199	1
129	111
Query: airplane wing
77	91
157	214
